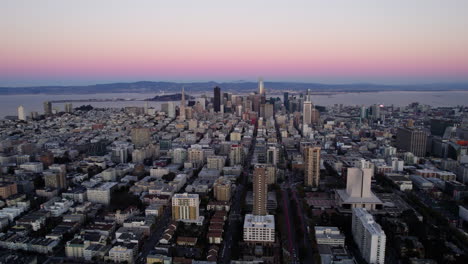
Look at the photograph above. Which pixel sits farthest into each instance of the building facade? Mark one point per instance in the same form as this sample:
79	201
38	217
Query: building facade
369	236
312	166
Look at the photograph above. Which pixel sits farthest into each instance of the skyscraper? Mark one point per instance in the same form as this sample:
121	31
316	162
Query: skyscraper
308	96
269	110
217	99
375	111
68	108
261	88
260	191
307	113
185	206
413	140
47	108
21	113
312	166
286	100
315	116
236	155
182	106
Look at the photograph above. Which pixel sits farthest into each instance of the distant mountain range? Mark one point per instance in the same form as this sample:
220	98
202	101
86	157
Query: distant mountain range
238	86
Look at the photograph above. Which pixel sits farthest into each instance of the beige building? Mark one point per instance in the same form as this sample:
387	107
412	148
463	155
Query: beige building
216	162
271	174
307	113
236	136
222	189
141	136
236	155
123	253
8	189
54	180
196	156
312	166
75	248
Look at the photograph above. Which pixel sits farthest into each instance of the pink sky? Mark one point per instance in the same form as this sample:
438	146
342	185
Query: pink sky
317	41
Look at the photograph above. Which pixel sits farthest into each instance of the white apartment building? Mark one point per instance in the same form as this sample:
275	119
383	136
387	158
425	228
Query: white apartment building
101	193
21	113
259	228
179	155
36	167
369	236
122	254
59	208
329	235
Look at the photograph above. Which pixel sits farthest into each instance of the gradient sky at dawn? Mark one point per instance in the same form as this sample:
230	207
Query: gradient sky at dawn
332	41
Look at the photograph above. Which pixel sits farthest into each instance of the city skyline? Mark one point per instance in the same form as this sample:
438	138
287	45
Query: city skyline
321	41
209	132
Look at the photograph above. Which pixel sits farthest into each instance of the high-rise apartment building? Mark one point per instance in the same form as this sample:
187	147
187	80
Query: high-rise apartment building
268	111
179	155
272	156
222	189
413	140
68	108
369	236
186	208
21	113
182	106
271	173
215	162
307	113
236	155
47	108
312	166
196	155
217	99
286	100
260	190
375	111
55	176
259	228
315	116
171	109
